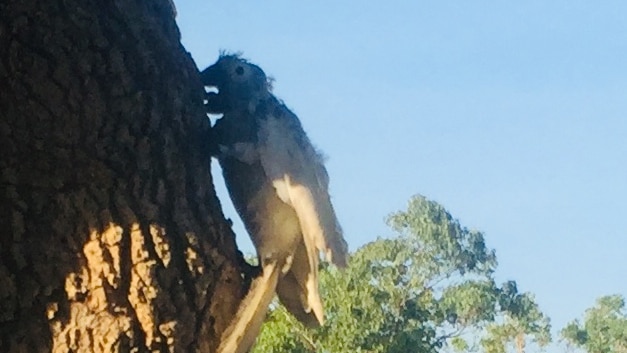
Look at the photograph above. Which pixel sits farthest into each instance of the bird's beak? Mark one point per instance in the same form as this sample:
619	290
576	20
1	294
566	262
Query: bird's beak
214	104
213	76
214	79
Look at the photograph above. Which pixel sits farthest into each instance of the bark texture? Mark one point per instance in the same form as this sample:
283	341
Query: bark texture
111	236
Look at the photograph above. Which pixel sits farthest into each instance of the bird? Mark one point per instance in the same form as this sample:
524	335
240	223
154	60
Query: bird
279	186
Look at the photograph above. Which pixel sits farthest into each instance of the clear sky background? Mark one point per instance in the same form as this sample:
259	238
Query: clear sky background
512	115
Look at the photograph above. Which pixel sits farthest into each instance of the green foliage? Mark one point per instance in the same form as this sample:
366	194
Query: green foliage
430	286
521	319
604	329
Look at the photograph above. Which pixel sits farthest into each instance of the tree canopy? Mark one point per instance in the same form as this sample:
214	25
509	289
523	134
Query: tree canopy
604	327
429	287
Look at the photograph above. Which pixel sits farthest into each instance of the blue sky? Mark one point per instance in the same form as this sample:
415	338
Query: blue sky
513	115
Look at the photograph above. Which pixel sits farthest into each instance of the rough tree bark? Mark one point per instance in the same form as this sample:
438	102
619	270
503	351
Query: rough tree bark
111	236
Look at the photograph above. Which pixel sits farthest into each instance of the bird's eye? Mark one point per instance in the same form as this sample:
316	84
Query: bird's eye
239	70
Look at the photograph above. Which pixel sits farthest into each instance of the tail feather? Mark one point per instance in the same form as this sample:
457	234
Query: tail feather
296	302
298	289
244	329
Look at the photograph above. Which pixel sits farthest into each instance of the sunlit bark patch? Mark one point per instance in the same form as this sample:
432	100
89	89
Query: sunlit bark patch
162	247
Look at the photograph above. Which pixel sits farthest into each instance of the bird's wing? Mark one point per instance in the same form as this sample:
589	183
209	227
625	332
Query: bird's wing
298	289
300	179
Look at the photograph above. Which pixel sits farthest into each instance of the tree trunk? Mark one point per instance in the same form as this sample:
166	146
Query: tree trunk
520	342
111	236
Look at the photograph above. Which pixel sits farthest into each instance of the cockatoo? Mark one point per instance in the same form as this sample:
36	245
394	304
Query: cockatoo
279	186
